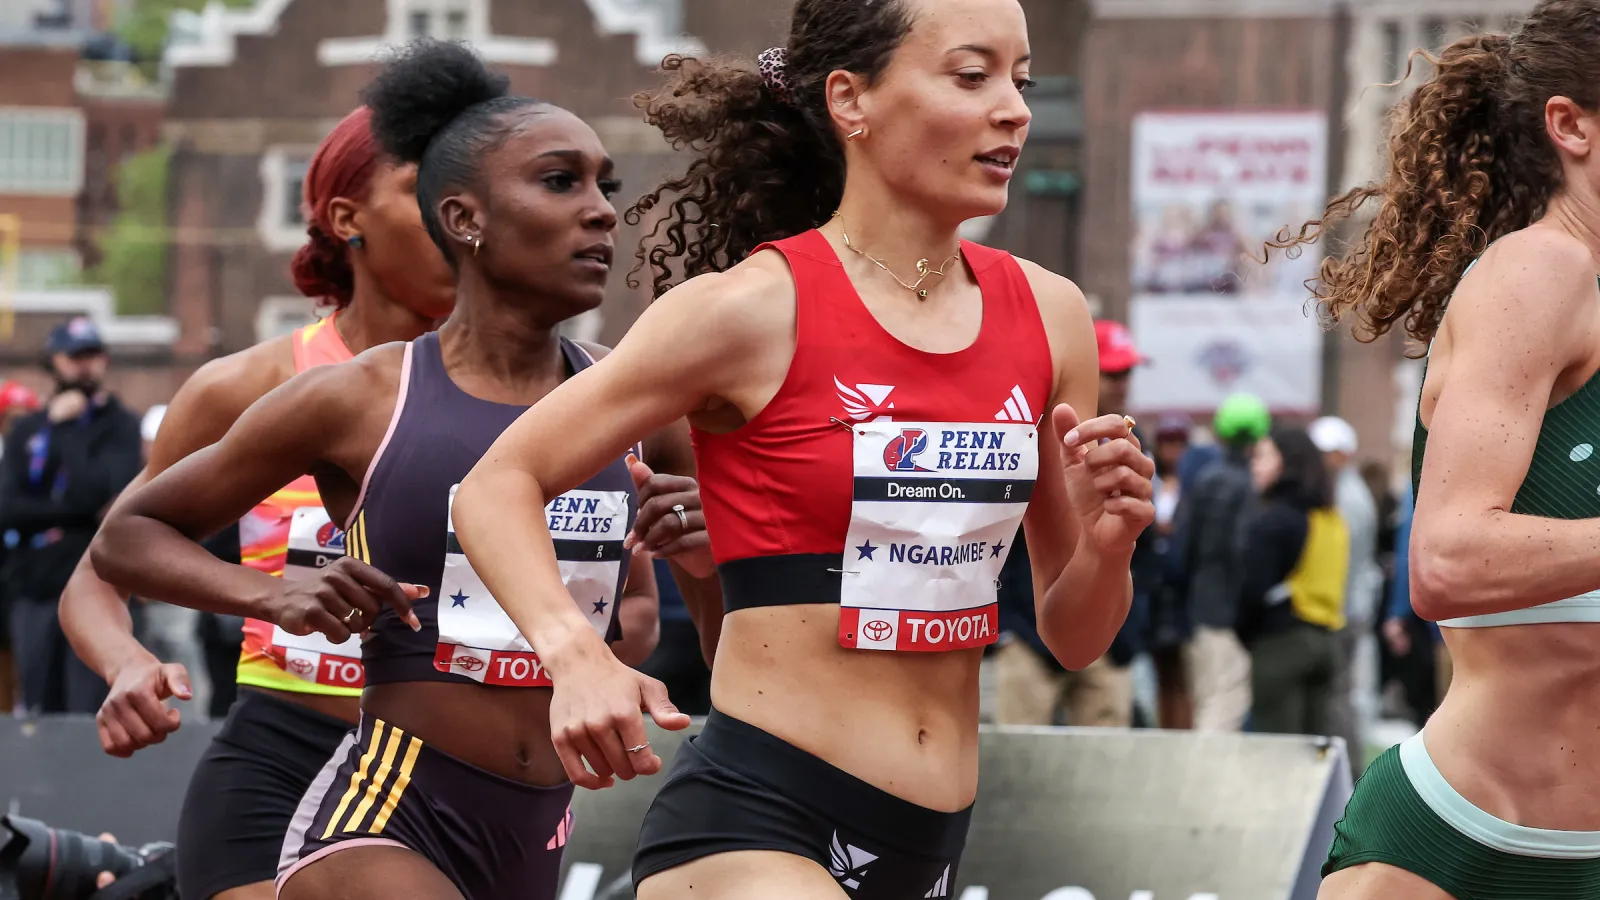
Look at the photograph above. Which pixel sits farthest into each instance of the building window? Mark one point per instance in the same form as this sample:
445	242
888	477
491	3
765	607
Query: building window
294	190
44	269
445	19
282	222
279	316
41	151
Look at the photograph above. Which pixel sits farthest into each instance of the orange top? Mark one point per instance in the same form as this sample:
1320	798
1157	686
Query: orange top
264	537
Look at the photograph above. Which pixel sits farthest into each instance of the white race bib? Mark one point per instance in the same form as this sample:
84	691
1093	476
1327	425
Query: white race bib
315	542
476	637
936	509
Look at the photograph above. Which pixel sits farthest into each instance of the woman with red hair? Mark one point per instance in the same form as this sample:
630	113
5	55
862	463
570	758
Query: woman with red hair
369	258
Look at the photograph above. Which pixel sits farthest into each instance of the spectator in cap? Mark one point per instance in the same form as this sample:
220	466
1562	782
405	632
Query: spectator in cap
1209	521
1118	359
1355	689
1032	687
66	464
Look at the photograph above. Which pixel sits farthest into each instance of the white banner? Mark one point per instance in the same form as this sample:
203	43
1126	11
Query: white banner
1208	190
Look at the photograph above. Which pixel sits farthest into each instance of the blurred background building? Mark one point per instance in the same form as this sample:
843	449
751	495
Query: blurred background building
152	151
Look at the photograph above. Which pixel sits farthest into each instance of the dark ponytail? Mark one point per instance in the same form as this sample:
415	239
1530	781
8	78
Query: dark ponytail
767	164
1469	162
436	104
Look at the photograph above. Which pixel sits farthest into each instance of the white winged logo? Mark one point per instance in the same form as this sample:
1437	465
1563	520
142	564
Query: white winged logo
866	402
848	863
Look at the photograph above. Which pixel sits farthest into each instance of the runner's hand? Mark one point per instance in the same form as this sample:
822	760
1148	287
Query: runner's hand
659	531
325	603
1108	478
595	716
67	405
135	715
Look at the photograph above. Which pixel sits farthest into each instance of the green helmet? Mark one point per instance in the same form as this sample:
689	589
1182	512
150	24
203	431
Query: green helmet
1242	417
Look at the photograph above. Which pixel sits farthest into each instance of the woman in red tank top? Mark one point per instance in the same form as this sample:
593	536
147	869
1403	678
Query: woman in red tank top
877	405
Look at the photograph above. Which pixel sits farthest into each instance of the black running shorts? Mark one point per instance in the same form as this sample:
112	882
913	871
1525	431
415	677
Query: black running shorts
245	790
735	787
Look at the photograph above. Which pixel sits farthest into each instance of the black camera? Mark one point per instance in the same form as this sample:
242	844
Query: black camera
38	862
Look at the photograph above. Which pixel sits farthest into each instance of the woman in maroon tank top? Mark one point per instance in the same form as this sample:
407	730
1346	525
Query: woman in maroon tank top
450	788
877	406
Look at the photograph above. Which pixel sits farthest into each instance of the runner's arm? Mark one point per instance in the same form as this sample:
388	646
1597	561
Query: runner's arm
150	542
1524	316
94	613
1082	589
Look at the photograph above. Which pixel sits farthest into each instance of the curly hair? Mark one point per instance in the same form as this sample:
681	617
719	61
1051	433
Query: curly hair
1469	162
766	165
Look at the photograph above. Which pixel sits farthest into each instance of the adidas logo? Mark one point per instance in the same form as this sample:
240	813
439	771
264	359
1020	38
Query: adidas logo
941	888
848	864
1016	409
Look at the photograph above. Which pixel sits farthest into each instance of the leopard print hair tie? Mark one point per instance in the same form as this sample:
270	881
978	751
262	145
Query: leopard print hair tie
774	65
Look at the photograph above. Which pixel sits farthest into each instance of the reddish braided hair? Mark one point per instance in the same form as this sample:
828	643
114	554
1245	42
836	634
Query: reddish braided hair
342	167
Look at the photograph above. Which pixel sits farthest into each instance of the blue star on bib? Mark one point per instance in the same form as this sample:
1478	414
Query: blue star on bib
460	599
866	550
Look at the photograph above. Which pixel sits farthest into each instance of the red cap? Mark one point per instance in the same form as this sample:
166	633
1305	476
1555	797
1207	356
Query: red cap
14	394
1117	353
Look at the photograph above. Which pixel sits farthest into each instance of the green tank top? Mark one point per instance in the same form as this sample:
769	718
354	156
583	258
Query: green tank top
1563	482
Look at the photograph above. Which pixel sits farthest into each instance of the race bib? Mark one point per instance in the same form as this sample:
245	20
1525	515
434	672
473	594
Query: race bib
936	508
476	637
315	542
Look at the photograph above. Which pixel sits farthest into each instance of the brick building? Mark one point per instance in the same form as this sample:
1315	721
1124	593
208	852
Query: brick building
242	139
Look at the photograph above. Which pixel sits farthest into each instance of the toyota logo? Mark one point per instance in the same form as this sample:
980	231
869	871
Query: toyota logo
878	629
302	666
470	663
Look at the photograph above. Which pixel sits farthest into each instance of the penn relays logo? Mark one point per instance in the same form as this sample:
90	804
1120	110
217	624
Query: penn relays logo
329	537
900	454
866	402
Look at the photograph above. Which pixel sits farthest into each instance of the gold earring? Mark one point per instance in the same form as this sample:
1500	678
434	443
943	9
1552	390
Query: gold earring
857	133
477	244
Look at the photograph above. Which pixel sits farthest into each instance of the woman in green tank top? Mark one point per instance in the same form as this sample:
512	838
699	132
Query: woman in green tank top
1499	798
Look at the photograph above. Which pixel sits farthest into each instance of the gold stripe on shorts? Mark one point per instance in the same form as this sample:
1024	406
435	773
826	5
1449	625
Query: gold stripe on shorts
399	789
356	778
391	747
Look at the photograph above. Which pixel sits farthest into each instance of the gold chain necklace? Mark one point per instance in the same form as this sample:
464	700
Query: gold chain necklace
923	272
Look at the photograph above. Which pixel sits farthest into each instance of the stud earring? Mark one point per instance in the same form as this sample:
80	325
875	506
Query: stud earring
357	241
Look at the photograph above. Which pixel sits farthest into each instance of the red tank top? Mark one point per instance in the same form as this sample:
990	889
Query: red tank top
923	453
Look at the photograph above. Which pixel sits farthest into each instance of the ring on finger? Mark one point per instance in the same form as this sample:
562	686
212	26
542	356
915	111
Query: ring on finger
641	747
683	516
351	617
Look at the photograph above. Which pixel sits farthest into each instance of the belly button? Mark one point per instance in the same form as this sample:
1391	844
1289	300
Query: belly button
922	736
524	758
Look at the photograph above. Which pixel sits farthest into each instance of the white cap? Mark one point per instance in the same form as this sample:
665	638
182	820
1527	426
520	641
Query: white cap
1332	434
152	422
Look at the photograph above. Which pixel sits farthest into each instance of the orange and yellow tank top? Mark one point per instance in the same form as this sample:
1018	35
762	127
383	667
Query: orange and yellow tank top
270	657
